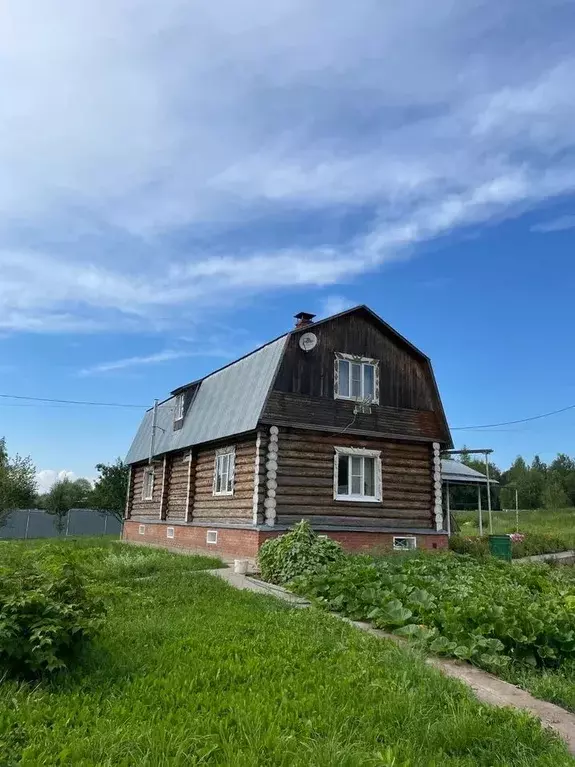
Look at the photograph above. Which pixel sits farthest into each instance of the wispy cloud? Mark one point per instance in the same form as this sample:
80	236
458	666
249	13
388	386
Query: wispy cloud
130	362
556	225
175	136
335	304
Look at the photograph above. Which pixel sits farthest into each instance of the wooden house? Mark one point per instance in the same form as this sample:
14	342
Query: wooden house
338	421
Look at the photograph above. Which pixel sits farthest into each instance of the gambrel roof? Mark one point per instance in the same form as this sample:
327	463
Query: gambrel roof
231	400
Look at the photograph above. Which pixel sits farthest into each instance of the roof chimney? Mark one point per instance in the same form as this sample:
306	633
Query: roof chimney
303	319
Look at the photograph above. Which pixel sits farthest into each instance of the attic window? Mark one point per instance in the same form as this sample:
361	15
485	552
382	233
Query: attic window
356	378
179	407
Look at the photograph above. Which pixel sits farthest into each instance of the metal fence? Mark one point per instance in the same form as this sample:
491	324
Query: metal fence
35	523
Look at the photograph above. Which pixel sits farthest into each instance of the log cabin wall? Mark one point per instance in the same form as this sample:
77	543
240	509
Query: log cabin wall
236	508
305	482
177	486
303	391
146	510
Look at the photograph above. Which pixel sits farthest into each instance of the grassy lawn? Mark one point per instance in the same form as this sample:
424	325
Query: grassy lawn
188	671
538	521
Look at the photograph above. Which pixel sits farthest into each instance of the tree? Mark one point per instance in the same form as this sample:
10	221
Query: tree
111	487
17	482
553	495
67	494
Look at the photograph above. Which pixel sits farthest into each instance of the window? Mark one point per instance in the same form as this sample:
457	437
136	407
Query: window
356	378
357	475
179	407
404	543
148	486
224	471
142	529
212	536
169	532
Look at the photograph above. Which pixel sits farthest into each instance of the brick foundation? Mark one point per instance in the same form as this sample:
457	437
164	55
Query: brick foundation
233	543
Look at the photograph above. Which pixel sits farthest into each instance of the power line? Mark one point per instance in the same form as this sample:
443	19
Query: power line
71	401
510	423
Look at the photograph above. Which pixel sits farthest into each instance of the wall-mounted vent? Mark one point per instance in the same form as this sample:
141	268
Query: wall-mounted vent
169	532
142	529
404	543
212	536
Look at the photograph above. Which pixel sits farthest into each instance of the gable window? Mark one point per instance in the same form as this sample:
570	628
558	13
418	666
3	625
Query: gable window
224	471
357	475
179	407
356	378
148	485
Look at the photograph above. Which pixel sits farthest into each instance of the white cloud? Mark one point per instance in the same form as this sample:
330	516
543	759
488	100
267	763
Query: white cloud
334	305
555	225
131	128
46	478
129	362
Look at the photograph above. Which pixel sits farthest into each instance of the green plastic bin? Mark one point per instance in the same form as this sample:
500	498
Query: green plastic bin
500	546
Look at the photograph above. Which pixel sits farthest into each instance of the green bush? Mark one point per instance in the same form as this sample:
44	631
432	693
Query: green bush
299	552
485	611
530	545
46	614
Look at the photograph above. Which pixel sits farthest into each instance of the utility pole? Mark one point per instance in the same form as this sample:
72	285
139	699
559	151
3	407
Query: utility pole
488	493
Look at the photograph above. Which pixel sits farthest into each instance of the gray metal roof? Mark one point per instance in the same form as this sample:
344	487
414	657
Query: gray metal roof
455	471
229	401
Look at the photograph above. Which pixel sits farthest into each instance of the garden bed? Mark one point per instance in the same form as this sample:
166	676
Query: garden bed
187	671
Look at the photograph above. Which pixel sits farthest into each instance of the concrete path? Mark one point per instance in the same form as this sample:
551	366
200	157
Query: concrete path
486	687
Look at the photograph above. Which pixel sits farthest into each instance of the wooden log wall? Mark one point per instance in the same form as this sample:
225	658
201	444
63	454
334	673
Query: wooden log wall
238	507
305	482
141	509
177	487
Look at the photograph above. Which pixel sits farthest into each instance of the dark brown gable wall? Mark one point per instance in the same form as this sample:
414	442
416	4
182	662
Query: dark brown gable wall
303	394
403	379
305	482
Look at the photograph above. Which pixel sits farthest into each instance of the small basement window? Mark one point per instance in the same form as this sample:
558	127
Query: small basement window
169	532
357	475
141	529
212	536
224	468
404	542
356	378
148	485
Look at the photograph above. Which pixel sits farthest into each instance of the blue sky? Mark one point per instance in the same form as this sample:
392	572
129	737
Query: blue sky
178	180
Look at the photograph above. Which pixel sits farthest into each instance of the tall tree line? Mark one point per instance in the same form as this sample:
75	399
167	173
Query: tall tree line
538	485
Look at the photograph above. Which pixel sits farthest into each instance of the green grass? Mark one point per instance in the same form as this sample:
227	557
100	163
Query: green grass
189	671
538	521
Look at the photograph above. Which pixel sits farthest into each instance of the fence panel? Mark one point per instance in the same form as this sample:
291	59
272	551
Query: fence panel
35	523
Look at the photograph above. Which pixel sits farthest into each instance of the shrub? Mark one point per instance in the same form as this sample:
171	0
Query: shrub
485	611
522	545
299	552
46	614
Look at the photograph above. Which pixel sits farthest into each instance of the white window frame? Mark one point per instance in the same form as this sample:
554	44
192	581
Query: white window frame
364	362
212	537
170	532
218	461
357	452
396	538
179	406
145	496
141	529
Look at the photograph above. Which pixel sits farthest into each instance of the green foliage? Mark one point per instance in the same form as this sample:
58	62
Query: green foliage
46	614
187	671
486	611
540	522
109	493
17	482
532	544
67	494
301	551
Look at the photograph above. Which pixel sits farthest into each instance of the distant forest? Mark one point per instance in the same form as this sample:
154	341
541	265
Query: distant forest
539	485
